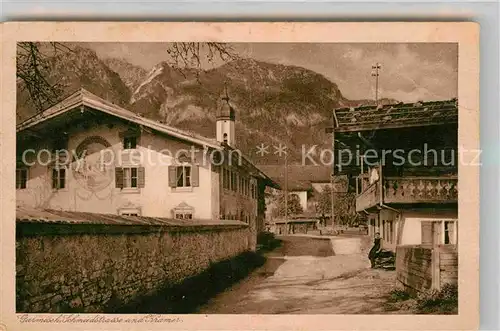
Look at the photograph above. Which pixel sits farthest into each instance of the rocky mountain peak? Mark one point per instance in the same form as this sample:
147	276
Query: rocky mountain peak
274	103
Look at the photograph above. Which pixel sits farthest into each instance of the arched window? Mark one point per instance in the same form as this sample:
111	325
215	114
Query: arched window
225	138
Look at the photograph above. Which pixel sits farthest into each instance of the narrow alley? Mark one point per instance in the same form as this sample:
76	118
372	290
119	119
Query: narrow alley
306	276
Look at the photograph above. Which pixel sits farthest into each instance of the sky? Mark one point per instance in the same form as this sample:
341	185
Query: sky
409	72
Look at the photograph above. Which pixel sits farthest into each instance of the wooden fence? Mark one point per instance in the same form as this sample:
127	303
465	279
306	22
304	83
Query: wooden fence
420	268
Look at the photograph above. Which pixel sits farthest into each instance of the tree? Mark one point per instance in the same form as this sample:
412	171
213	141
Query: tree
293	203
344	203
33	65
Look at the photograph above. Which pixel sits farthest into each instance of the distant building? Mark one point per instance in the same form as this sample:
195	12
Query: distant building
304	181
122	163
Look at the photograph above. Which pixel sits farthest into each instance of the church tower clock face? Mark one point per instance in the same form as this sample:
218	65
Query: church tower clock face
93	169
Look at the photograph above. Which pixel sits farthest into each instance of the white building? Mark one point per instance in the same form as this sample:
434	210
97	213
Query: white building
122	163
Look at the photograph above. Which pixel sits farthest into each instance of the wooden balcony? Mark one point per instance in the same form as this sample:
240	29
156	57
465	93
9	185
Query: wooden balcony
368	198
420	190
409	190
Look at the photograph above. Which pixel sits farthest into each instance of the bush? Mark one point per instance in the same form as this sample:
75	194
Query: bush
398	295
444	301
267	241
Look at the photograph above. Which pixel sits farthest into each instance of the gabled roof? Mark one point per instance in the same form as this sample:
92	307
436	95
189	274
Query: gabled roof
83	97
399	115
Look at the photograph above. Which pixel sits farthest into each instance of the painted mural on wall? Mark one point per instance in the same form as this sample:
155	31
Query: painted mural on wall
93	170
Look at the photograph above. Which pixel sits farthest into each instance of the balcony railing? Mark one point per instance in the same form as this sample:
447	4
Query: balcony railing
401	190
420	189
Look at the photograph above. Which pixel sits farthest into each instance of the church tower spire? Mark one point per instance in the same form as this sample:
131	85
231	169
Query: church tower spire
225	120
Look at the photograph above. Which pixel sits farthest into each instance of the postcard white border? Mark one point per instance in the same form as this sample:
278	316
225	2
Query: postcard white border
466	34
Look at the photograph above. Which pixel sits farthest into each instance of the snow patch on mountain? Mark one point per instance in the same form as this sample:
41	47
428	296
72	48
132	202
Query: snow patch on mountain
156	71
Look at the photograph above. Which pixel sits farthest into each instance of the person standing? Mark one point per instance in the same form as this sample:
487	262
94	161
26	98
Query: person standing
372	255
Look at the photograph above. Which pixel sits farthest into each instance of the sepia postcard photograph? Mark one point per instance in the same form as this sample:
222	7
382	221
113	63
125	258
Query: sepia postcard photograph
240	176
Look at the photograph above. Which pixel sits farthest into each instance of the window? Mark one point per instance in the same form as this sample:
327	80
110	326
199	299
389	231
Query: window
129	211
225	178
184	216
449	232
183	176
439	232
234	181
183	211
388	231
129	142
225	138
254	190
21	178
130	177
391	232
58	178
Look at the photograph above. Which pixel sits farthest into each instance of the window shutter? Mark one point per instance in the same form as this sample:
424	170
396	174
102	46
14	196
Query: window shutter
195	176
426	233
119	177
172	176
141	175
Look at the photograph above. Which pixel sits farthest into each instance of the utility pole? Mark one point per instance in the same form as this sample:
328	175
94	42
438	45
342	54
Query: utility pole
332	176
333	172
376	74
286	193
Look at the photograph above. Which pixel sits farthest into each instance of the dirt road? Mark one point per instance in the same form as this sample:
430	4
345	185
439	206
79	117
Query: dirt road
305	277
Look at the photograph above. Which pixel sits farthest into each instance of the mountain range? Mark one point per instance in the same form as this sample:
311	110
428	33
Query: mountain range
275	104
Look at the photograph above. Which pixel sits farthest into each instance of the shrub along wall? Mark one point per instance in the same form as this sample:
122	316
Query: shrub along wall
90	267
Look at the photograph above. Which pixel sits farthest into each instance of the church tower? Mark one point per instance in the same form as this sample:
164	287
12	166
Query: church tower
225	121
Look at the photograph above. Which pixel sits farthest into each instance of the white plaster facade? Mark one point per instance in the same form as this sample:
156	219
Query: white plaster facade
96	181
406	227
156	198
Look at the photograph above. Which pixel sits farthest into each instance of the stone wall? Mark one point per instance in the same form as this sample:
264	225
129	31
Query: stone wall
93	267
